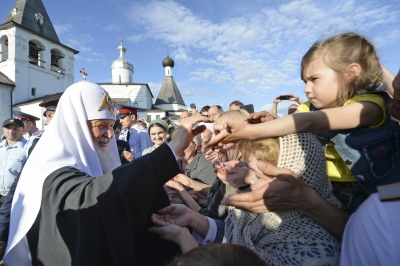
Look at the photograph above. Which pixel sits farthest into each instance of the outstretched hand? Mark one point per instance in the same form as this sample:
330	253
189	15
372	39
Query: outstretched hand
259	117
232	173
286	192
177	214
177	234
169	232
230	134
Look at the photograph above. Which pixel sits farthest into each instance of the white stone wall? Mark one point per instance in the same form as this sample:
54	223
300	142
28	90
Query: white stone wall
136	93
27	76
171	107
5	106
121	75
153	114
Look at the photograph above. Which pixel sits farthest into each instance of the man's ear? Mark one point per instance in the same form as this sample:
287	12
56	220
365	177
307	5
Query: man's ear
353	71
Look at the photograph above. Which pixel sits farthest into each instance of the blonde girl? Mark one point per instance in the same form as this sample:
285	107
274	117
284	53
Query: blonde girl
347	114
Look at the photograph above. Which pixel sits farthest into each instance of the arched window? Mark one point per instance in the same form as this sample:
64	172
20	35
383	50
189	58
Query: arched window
3	48
57	61
36	55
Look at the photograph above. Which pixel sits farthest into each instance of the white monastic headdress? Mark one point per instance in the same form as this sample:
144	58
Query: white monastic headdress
66	142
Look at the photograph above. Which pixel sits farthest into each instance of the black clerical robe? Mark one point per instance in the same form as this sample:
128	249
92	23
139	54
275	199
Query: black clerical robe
104	220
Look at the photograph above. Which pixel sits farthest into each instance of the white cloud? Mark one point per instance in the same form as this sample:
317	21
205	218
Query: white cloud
211	75
240	91
258	50
155	89
113	28
182	54
196	93
135	38
62	29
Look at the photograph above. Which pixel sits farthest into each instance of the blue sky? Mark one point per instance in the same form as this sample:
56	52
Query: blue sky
223	50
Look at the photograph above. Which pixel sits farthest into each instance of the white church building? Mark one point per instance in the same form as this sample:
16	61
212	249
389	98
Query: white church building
33	61
34	65
124	91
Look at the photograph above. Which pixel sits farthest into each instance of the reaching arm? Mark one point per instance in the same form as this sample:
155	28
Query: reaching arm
177	234
295	98
357	114
183	216
189	201
195	185
274	113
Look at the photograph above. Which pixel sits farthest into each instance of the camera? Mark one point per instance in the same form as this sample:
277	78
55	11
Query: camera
248	107
284	97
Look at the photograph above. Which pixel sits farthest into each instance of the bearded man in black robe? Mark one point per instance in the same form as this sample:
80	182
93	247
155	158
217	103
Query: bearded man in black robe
74	204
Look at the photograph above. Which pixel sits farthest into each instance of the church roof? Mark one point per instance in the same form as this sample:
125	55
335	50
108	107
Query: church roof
48	96
6	80
169	93
168	62
122	62
26	16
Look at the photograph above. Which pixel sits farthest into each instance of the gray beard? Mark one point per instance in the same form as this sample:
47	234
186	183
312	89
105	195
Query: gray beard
107	161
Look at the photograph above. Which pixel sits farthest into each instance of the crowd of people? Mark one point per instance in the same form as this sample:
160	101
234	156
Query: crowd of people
318	186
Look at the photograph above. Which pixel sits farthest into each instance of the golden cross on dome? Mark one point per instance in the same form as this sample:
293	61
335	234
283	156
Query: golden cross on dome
106	102
84	74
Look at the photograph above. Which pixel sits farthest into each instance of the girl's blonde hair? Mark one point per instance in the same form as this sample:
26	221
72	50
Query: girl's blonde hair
231	153
266	150
338	52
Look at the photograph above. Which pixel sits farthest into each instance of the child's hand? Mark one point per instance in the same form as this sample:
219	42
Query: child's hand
259	117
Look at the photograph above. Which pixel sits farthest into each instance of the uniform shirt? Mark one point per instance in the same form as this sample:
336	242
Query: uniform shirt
139	140
11	161
37	133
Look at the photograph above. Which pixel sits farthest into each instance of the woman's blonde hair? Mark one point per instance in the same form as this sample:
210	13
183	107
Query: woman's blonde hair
338	52
231	153
266	150
232	116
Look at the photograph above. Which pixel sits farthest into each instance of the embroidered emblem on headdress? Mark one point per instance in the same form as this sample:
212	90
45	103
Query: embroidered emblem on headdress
11	120
106	102
84	74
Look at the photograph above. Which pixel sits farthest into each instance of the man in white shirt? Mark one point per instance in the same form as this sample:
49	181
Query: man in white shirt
138	140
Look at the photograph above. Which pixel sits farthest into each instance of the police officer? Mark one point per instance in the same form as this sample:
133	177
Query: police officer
138	140
29	121
50	104
13	153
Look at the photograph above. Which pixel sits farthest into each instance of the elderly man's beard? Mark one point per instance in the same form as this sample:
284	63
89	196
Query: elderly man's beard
106	158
